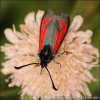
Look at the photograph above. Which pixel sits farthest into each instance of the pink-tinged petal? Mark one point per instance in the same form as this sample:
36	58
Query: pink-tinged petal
86	90
5	71
39	16
30	19
89	32
76	23
11	36
31	24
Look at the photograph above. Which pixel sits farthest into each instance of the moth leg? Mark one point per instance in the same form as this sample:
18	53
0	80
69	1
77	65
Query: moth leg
57	62
66	52
41	71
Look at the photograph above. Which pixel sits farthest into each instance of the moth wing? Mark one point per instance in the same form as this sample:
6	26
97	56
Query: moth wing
62	27
47	17
53	30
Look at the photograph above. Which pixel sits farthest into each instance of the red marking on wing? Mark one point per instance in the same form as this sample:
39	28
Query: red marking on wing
43	31
60	36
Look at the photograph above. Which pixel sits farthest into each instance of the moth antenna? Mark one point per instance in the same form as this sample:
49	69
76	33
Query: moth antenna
51	80
24	65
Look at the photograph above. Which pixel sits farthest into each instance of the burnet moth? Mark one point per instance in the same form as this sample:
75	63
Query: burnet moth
53	29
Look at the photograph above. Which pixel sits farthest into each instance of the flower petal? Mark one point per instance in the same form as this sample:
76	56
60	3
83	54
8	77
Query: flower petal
11	36
31	24
39	16
76	23
30	19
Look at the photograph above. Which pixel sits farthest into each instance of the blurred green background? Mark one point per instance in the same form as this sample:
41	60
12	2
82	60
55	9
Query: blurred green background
14	11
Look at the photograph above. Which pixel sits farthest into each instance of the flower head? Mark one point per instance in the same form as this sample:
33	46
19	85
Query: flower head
71	78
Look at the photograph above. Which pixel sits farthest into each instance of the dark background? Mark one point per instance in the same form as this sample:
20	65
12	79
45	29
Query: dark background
14	12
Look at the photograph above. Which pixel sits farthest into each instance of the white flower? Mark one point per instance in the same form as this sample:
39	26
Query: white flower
71	78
